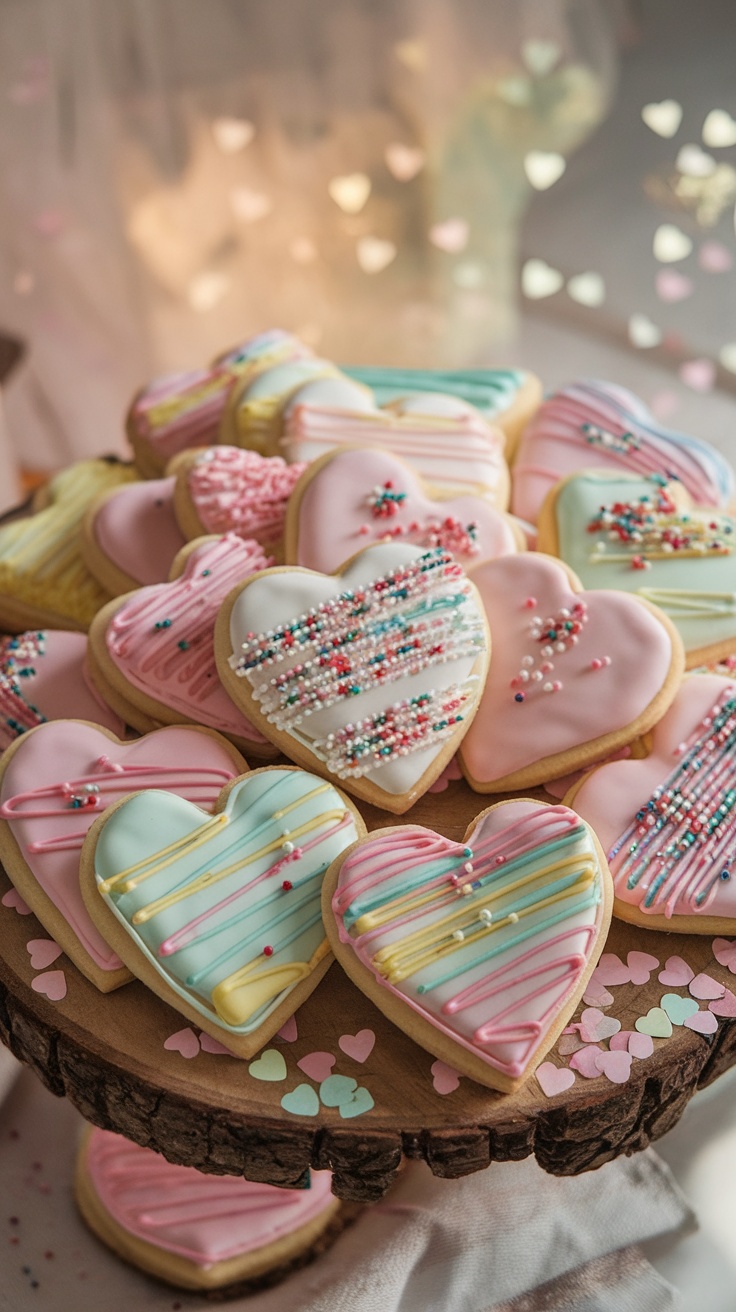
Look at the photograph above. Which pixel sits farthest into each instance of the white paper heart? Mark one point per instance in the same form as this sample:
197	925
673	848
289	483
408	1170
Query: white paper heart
540	56
539	279
220	914
663	117
404	162
350	191
232	134
643	333
671	243
374	253
719	129
479	948
543	168
587	289
693	161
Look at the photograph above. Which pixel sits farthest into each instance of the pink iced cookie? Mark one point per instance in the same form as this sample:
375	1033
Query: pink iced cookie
194	1230
667	822
224	489
352	498
574	675
43	677
153	650
131	535
593	425
56	780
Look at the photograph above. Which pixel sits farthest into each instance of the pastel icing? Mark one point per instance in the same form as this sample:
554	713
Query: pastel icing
63	774
407	640
236	491
161	638
487	939
204	1218
256	406
459	452
692	581
43	677
227	908
363	496
137	530
41	564
550	703
591	425
667	821
491	391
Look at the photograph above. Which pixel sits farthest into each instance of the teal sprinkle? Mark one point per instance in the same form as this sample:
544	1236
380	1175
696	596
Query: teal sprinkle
183	645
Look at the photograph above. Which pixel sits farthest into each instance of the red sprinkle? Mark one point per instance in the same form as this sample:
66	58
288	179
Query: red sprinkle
287	885
268	951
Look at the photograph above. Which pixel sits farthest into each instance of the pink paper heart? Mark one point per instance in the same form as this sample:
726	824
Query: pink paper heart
451	772
641	965
343	508
620	1042
705	988
288	1032
641	1045
698	374
174	665
358	1046
703	1022
43	676
714	257
451	235
184	1042
52	983
677	973
596	994
595	1027
585	1062
724	951
505	1016
568	1043
444	1078
673	285
610	797
725	1006
616	1066
611	970
317	1065
60	758
209	1044
43	952
606	675
553	1079
13	899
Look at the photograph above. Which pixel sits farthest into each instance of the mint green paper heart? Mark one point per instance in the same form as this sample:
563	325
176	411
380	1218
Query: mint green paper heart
656	1022
302	1101
678	1009
269	1066
362	1102
337	1090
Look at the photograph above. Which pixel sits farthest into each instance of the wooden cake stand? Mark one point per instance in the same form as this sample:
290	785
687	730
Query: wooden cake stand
106	1053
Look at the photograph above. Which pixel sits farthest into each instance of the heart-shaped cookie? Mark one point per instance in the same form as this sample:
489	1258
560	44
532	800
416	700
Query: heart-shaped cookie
451	445
353	497
194	1230
43	677
44	581
573	677
55	780
185	410
223	489
220	915
130	535
595	425
668	822
370	676
480	950
254	414
151	653
644	536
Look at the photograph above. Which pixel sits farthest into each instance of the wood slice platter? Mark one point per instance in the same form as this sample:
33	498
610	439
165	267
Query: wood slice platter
106	1053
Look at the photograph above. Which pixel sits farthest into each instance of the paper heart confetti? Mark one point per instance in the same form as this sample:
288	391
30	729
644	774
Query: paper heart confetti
724	951
361	1102
616	1066
317	1065
449	775
656	1023
714	257
540	55
404	162
595	1027
337	1089
13	899
725	1006
695	163
543	168
671	244
465	896
719	129
357	497
358	1046
350	191
698	374
185	1042
587	289
450	236
444	1078
641	965
705	988
420	699
676	1008
612	970
663	117
620	1042
643	333
232	134
288	1032
702	1022
571	675
677	973
209	1044
52	984
225	908
569	1043
616	799
673	285
539	279
585	1062
554	1079
43	952
270	1066
641	1046
596	994
302	1101
375	253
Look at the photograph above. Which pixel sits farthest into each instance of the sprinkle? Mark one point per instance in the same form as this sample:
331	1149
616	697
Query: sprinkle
268	950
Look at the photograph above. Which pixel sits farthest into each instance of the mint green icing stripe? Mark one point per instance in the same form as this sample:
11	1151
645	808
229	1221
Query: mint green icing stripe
489	390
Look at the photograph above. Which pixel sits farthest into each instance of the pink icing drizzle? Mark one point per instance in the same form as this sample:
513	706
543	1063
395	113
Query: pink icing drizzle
242	492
